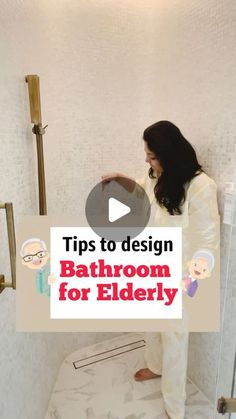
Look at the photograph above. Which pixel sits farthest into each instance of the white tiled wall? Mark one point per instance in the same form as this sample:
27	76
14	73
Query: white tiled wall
108	69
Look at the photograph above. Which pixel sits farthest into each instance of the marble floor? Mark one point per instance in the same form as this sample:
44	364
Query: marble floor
97	382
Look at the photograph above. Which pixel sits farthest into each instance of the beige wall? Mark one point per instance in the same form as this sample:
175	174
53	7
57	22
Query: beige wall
107	69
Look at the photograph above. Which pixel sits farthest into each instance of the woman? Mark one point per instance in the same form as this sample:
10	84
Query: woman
181	194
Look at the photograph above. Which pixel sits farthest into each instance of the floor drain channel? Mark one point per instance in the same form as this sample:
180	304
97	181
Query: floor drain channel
111	353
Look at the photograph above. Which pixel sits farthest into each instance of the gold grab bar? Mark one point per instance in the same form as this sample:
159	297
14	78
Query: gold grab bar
12	247
226	405
39	131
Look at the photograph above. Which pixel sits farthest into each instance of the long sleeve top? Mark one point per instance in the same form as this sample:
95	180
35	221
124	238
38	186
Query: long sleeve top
199	220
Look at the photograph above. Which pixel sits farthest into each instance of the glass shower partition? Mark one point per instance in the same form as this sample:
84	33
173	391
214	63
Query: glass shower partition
225	382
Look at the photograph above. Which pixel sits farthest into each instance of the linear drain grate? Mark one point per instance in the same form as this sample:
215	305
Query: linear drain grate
111	353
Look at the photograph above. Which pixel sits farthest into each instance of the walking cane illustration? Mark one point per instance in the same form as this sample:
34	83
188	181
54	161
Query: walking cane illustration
39	131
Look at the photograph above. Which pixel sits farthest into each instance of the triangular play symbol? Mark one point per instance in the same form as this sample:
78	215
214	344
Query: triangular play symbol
117	210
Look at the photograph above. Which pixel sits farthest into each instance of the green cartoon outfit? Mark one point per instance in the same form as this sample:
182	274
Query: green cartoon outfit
42	280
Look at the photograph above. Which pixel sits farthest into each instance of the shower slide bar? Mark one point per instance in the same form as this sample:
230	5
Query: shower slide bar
12	247
39	131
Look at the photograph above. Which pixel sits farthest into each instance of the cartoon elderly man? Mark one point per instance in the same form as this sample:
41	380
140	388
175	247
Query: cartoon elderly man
199	267
35	256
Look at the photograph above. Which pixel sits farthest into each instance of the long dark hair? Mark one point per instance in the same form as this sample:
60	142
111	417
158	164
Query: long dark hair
178	160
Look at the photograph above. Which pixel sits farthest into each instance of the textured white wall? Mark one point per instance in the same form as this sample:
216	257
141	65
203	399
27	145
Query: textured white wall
107	69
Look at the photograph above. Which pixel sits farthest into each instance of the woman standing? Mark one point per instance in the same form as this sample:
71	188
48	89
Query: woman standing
181	194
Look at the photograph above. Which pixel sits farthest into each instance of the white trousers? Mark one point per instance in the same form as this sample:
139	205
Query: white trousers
167	354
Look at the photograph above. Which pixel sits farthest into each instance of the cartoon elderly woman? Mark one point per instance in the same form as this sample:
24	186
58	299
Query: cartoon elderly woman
35	256
199	267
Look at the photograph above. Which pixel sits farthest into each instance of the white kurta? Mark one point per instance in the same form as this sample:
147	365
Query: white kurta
199	219
167	352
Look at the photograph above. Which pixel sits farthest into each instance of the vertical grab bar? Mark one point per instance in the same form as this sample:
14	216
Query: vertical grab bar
39	131
12	247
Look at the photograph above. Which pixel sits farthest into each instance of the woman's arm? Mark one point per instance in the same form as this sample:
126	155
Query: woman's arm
127	182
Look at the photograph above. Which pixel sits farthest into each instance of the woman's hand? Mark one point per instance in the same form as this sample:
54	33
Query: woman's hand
111	176
125	181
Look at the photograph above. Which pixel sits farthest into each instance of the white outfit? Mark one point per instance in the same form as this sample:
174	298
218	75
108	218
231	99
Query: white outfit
167	352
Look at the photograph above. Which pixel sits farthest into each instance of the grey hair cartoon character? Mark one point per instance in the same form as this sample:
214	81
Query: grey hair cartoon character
199	267
35	256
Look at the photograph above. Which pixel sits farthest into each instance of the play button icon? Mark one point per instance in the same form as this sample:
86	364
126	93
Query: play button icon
117	209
